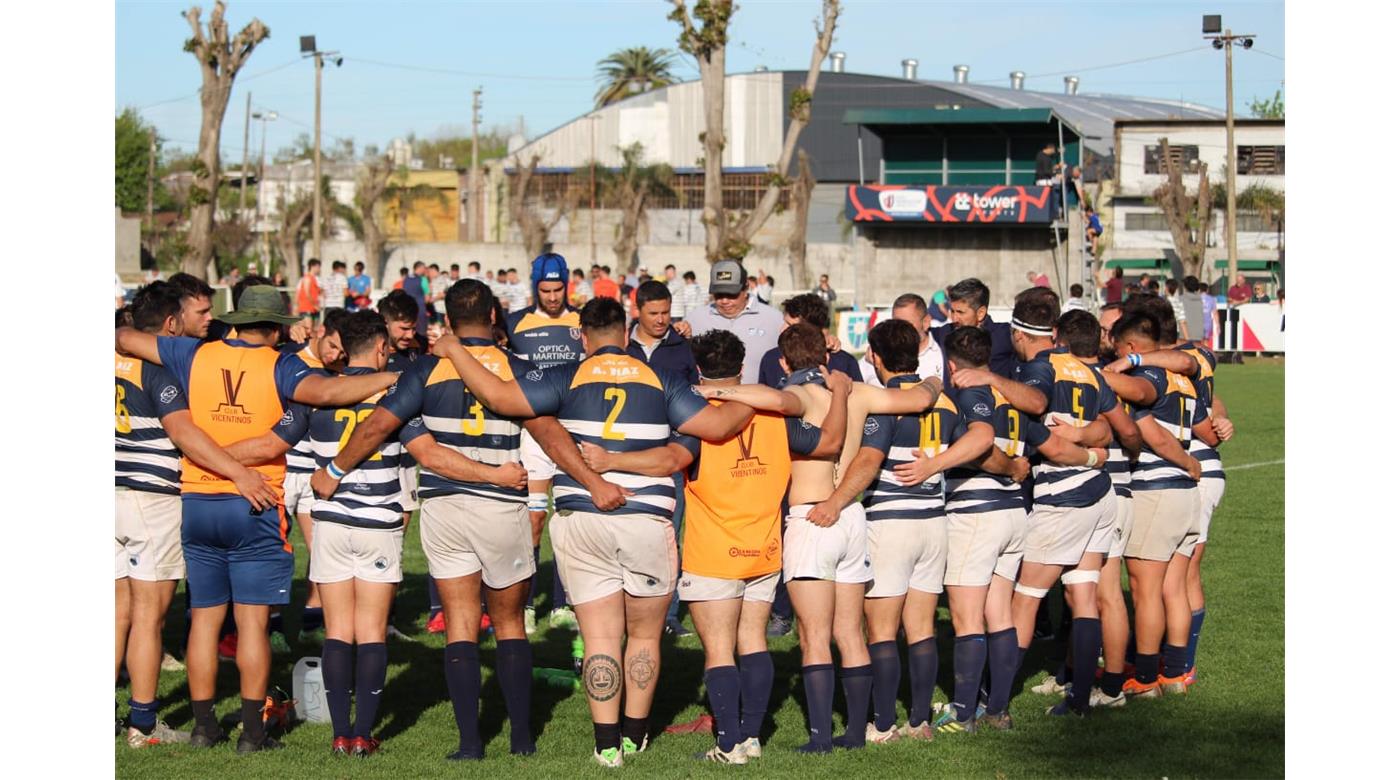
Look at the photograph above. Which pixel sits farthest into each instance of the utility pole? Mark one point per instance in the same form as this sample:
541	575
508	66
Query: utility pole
474	218
316	170
263	117
151	186
592	190
1210	26
243	170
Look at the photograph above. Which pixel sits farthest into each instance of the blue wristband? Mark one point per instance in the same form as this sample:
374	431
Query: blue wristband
334	472
1135	359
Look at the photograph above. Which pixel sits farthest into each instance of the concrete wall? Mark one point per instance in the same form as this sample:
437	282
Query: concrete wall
1209	138
128	246
892	260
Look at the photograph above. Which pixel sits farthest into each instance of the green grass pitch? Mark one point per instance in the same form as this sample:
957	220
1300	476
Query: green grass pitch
1230	724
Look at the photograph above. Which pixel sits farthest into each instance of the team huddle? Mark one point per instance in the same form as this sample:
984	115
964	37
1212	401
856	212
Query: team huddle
979	460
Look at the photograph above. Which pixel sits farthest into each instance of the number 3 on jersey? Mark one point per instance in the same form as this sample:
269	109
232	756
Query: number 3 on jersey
123	416
619	398
351	419
476	424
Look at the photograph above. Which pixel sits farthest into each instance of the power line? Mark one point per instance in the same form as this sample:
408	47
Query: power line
1266	54
195	94
473	74
1077	71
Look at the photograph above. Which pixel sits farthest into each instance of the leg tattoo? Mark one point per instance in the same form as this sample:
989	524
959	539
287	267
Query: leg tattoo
641	670
602	677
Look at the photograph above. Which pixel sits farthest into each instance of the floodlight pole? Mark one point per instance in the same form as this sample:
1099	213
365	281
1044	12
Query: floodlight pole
316	169
1228	40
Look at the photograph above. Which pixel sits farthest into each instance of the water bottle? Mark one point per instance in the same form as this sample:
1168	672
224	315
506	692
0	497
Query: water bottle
310	691
578	654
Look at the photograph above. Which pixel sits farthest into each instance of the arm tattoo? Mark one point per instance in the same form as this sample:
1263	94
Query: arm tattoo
641	670
602	677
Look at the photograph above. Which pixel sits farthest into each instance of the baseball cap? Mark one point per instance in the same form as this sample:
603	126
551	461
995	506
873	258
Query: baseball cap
727	278
259	303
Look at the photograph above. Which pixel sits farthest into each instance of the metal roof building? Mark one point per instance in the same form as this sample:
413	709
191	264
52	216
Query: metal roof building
669	120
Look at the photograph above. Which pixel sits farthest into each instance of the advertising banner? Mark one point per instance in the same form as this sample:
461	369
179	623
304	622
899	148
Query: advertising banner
1001	205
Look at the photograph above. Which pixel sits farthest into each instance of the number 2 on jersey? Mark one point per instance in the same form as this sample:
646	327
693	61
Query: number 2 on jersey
619	398
351	419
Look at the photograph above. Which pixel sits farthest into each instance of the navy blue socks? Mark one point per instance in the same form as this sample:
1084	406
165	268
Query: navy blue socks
371	667
756	685
143	715
969	659
884	659
819	684
856	682
1175	658
338	675
1198	618
462	665
513	662
1003	660
1086	635
1145	671
722	687
923	673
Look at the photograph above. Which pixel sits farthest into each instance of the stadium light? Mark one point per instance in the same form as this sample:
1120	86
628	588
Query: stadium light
1210	26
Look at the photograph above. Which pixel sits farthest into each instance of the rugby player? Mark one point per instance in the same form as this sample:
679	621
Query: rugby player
322	352
986	525
1166	514
911	309
229	556
153	425
357	548
617	563
825	560
1206	436
475	530
733	535
546	334
195	304
1074	509
1081	334
905	534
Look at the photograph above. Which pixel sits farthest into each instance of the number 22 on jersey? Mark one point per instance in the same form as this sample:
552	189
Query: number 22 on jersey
351	419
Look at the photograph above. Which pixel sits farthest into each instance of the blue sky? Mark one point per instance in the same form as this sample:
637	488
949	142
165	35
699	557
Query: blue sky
412	66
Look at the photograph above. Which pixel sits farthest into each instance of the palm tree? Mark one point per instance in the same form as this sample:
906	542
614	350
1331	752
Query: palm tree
628	72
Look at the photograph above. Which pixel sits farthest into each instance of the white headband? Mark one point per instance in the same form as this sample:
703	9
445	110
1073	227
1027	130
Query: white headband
1026	327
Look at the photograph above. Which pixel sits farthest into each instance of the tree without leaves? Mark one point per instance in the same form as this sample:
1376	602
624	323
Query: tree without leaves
294	225
1185	214
628	72
707	44
220	58
628	189
801	204
369	190
534	229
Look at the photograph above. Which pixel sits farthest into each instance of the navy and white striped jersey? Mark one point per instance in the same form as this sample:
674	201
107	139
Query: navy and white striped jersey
1120	471
1076	395
898	438
1204	380
434	401
300	458
369	495
621	404
1176	410
146	457
972	490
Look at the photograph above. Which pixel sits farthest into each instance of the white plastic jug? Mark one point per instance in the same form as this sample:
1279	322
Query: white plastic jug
310	691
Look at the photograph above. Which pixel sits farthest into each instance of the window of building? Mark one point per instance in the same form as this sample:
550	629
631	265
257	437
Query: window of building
1186	158
1147	220
1259	160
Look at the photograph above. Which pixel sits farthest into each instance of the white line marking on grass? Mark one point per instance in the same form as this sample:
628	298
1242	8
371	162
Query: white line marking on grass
1254	465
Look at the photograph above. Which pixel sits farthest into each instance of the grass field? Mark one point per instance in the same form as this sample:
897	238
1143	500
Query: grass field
1230	725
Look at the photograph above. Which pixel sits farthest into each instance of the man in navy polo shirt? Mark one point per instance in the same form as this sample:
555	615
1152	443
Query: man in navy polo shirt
967	305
